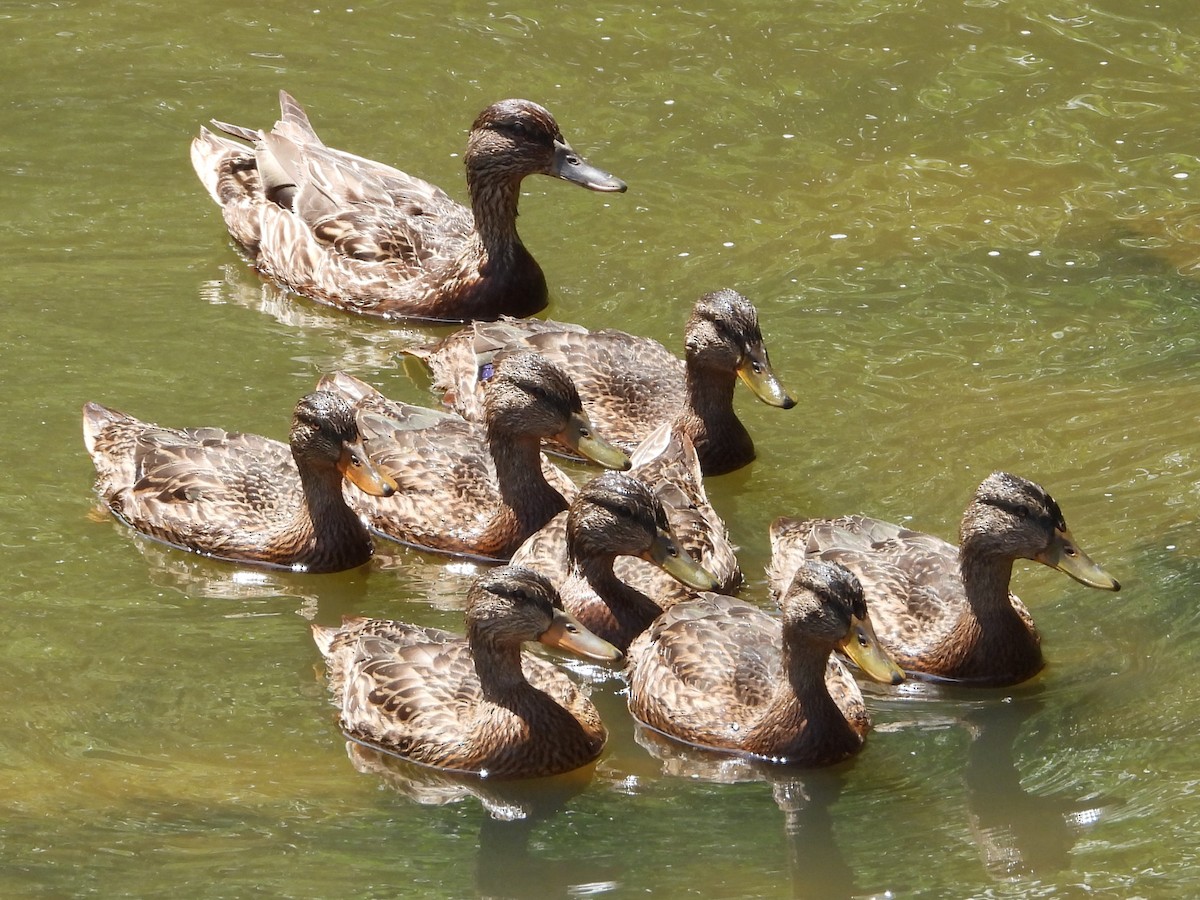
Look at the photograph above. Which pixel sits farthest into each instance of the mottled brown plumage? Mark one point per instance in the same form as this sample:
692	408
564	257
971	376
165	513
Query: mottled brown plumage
613	515
631	384
371	239
240	496
945	612
466	489
478	704
719	673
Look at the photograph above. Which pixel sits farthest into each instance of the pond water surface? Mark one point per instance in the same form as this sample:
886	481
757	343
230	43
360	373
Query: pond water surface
971	229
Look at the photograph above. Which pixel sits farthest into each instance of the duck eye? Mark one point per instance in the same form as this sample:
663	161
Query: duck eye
1023	511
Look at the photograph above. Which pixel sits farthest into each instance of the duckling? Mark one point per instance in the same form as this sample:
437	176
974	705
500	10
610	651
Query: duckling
371	239
720	673
632	384
467	490
612	514
944	612
478	704
238	496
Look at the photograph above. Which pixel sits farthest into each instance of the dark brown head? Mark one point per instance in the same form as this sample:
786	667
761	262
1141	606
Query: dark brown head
824	605
325	436
616	514
1011	517
723	335
510	605
515	138
527	395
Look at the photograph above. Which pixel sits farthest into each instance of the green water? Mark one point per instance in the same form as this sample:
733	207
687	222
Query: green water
970	230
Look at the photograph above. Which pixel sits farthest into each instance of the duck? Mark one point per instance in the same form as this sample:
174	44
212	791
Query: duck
945	613
470	490
666	463
475	704
241	497
370	239
613	514
631	384
720	673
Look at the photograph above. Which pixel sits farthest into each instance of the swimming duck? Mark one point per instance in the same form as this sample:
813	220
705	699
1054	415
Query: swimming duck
371	239
944	612
720	673
613	514
666	463
478	704
470	490
239	496
631	384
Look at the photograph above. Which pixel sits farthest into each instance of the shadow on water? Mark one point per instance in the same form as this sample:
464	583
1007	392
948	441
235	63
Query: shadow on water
506	865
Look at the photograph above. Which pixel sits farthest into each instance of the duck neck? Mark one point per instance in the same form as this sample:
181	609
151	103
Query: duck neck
527	500
618	612
708	418
326	534
990	636
802	722
498	666
494	201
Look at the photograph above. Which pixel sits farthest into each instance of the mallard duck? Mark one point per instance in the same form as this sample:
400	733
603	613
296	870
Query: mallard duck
945	612
371	239
477	704
240	496
613	514
666	463
631	384
718	672
471	490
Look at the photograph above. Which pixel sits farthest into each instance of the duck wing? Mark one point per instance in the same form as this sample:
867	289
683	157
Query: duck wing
705	669
448	494
628	384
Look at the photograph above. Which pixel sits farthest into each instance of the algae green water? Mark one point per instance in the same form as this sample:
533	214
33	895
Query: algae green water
971	230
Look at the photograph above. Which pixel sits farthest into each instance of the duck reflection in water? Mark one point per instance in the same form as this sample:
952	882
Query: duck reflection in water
815	861
516	809
1019	833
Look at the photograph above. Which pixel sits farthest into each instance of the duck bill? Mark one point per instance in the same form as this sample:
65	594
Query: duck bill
580	437
567	633
570	166
677	563
362	472
755	370
863	647
1066	556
